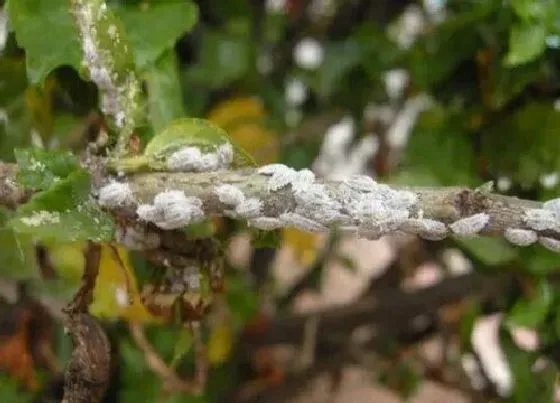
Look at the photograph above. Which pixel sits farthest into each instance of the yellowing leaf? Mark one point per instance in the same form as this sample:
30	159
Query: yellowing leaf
235	109
110	294
302	243
243	118
220	343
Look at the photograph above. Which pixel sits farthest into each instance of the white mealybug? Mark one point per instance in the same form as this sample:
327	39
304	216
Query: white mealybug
265	223
281	175
520	237
116	194
552	205
225	155
302	223
149	213
550	243
249	208
302	180
229	194
361	183
426	228
172	210
540	219
187	159
470	226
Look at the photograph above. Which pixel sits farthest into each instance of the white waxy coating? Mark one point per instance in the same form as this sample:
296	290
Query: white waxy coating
116	194
550	244
470	226
520	237
172	210
229	194
540	219
191	159
302	223
426	228
249	208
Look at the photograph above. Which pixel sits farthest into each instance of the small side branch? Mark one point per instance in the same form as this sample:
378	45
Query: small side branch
172	382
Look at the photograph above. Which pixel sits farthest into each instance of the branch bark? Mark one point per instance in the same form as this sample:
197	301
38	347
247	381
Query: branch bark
320	205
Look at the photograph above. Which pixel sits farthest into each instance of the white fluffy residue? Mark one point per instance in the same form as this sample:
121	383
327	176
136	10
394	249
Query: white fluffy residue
550	243
116	194
470	226
540	219
520	237
302	223
39	218
426	228
249	208
172	210
229	194
191	159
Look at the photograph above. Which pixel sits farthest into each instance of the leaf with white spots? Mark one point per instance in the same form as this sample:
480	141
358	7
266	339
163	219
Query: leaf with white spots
39	169
64	213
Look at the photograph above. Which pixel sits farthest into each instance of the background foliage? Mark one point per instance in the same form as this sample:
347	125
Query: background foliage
490	70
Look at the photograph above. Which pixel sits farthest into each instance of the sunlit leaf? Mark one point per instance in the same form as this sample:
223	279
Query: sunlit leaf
192	132
243	120
531	312
115	284
220	343
526	43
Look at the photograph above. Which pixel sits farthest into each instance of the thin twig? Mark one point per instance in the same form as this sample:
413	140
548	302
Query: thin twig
172	382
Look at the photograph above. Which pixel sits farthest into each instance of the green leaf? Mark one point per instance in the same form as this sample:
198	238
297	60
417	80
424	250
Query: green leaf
491	251
165	99
16	121
64	213
526	43
531	10
11	391
525	145
46	31
153	28
265	239
531	312
224	58
39	169
17	260
438	142
182	347
242	301
537	386
192	132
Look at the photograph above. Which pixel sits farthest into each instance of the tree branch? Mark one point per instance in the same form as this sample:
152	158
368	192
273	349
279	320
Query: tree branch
276	196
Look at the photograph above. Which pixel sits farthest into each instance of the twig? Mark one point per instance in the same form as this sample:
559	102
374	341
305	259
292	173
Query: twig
387	309
172	382
87	374
84	296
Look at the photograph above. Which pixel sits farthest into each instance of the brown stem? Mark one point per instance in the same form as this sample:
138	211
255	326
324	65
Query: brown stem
87	374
